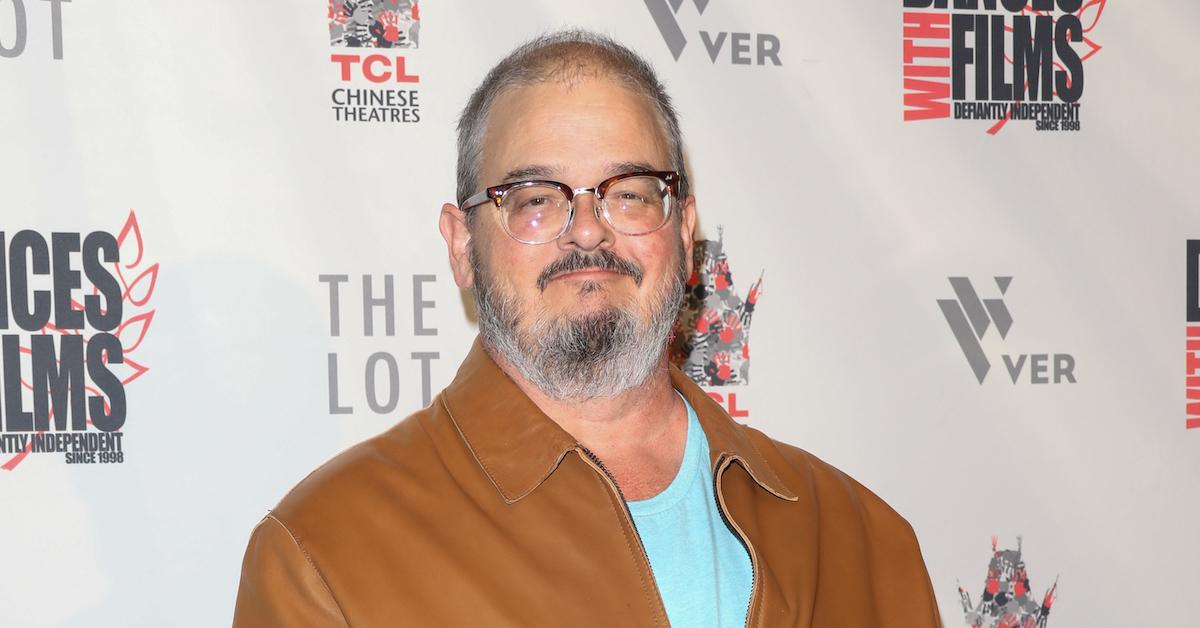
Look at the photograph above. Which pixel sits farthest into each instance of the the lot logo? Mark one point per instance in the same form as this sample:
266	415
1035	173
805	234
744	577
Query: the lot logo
1006	601
380	378
970	318
20	29
1193	334
711	339
743	48
377	24
1011	60
75	308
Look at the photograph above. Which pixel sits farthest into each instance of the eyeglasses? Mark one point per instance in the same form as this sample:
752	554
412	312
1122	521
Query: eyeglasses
537	212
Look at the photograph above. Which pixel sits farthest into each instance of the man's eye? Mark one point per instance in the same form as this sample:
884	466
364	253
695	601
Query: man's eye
535	202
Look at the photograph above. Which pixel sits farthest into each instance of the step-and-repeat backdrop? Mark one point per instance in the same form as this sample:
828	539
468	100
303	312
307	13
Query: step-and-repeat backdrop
961	228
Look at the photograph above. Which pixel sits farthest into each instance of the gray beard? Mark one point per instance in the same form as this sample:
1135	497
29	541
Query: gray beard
601	354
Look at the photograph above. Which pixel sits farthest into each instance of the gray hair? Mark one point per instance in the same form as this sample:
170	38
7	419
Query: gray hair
563	56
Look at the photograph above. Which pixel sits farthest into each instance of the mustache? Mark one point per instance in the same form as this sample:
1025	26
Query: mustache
604	260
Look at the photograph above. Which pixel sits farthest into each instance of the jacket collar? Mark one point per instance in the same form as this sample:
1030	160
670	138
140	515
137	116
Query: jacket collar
518	446
726	438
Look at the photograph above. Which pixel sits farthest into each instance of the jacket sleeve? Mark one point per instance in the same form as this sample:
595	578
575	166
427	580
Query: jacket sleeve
280	585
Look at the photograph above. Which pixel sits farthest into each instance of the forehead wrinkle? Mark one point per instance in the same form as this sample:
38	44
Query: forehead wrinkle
510	115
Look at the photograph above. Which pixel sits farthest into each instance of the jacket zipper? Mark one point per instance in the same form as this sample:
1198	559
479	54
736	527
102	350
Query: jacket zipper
598	464
722	463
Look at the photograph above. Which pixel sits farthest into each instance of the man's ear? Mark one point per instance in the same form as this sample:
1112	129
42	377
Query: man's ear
453	225
687	229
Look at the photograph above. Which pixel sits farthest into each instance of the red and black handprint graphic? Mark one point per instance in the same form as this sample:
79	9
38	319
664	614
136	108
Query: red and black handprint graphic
1006	601
373	23
711	340
386	30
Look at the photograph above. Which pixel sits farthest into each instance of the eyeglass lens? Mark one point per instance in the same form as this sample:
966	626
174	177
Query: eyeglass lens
538	213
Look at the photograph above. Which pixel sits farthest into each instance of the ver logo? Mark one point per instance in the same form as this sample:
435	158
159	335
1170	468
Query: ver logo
970	317
765	46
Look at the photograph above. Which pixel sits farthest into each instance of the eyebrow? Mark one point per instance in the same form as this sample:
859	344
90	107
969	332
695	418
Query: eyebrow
533	171
538	171
622	167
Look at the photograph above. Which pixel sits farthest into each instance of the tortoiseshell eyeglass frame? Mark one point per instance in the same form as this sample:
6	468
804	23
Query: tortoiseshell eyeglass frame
496	195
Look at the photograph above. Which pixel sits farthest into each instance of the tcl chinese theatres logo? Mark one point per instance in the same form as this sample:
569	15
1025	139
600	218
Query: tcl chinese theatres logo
377	84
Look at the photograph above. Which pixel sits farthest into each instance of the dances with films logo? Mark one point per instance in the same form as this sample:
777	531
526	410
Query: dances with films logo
711	339
375	78
1193	335
970	318
75	309
998	60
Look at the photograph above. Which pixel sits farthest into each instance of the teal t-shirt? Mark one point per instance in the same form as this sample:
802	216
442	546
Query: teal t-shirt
702	570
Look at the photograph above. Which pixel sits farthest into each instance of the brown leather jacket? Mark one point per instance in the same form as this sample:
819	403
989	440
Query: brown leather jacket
481	511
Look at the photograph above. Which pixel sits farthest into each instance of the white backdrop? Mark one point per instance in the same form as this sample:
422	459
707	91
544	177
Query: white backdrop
212	122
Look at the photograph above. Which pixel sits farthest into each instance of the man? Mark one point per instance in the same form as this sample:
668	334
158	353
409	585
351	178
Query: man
569	476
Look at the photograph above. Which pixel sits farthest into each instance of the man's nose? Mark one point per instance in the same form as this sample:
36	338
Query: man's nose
589	231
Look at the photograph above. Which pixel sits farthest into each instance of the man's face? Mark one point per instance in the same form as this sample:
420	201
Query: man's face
579	135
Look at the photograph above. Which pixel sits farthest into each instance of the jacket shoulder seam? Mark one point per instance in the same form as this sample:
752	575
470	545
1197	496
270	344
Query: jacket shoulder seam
311	565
